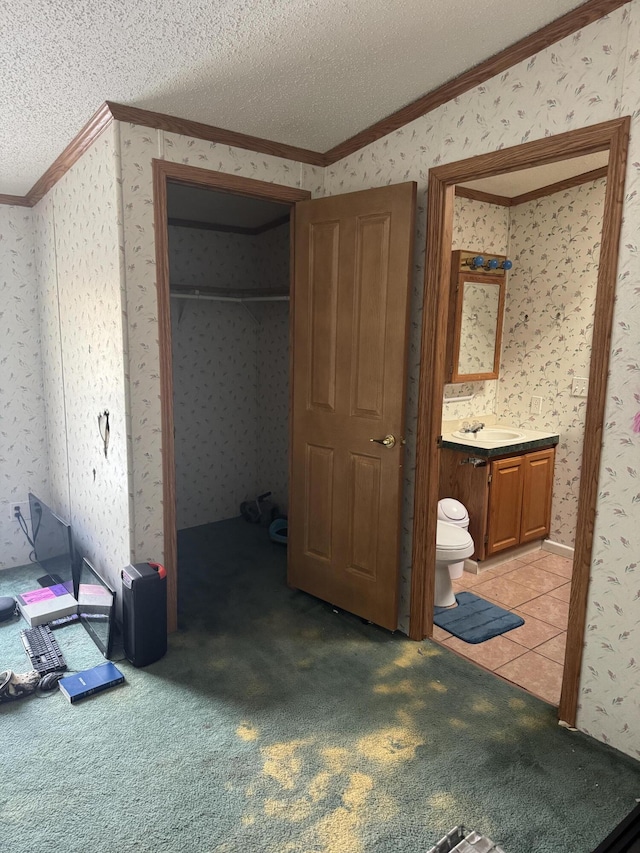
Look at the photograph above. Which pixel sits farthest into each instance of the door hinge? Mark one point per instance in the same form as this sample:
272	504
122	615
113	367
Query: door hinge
486	539
439	441
489	478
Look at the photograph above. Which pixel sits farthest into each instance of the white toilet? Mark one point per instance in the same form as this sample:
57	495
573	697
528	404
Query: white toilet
453	544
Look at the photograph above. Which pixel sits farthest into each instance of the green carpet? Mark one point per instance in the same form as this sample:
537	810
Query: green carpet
276	724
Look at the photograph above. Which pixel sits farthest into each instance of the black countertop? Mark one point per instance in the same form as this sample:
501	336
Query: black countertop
490	452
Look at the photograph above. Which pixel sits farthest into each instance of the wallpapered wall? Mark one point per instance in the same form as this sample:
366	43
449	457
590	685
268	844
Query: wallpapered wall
82	333
200	258
231	392
215	409
56	416
555	247
586	78
23	440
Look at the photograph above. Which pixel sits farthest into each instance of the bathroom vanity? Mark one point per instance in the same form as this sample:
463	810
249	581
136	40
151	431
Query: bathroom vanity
505	480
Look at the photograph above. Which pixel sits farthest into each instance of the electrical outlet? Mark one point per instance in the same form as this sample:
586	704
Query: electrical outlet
536	406
579	386
22	506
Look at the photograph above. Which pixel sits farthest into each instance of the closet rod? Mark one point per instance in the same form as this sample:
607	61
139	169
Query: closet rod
214	298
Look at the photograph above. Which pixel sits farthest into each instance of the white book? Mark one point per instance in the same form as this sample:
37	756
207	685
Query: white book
45	604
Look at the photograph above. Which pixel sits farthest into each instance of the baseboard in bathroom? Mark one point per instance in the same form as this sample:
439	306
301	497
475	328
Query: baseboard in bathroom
521	553
556	548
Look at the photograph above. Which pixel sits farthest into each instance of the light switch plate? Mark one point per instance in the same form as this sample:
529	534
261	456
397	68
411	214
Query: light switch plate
579	386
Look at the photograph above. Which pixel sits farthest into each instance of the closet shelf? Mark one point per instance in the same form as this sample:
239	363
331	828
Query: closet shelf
227	295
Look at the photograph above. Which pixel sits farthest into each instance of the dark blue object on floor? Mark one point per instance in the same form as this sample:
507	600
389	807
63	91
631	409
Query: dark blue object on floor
475	620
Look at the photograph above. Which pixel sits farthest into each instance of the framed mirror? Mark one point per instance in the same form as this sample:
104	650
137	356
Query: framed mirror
475	320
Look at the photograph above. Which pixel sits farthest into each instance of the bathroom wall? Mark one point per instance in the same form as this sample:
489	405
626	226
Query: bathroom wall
23	436
482	227
554	245
231	366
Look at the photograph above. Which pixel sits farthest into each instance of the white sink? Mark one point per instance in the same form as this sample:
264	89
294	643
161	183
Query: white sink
490	435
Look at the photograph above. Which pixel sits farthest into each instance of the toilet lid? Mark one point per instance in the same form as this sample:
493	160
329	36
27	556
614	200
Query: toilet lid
449	536
452	510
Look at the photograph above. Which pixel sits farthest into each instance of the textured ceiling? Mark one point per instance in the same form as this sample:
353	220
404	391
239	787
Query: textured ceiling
305	72
527	180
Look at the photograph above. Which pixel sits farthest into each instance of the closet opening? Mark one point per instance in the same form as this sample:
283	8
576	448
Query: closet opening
224	256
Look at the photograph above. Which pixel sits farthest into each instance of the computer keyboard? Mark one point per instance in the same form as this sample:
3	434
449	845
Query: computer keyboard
42	649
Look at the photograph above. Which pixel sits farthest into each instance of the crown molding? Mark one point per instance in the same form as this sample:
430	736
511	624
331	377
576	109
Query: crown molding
568	24
481	195
15	200
186	127
510	56
566	184
71	154
532	195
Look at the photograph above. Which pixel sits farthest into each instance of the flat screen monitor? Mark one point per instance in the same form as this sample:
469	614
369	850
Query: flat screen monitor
52	542
96	607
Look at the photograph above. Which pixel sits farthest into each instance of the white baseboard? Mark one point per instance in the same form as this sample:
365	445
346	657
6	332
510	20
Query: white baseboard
556	548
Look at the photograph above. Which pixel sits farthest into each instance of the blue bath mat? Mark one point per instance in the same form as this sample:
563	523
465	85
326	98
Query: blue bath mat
475	620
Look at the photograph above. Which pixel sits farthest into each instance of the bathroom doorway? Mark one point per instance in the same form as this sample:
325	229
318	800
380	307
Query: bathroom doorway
548	223
609	137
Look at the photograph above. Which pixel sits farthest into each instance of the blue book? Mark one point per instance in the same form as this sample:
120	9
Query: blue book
83	684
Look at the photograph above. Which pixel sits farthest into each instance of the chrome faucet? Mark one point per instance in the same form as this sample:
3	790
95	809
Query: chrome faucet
474	427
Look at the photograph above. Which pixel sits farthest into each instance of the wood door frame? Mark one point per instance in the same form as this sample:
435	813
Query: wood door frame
164	172
612	136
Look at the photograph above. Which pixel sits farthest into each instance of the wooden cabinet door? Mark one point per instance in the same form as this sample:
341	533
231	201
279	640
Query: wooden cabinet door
505	504
537	491
353	265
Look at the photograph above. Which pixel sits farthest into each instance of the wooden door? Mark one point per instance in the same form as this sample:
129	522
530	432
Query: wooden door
537	491
505	504
353	261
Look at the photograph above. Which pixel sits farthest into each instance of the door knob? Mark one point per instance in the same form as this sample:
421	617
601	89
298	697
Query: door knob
388	441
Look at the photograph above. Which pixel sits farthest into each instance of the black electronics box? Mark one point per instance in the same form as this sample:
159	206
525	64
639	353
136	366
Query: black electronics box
144	612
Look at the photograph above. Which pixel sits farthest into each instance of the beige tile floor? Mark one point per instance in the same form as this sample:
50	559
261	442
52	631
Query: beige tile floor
536	586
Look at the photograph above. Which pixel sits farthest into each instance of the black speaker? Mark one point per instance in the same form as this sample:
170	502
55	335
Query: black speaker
144	612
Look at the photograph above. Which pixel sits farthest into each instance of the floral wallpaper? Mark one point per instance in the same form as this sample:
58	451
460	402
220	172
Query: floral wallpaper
583	79
230	364
204	258
58	495
273	399
23	438
555	246
79	268
215	409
